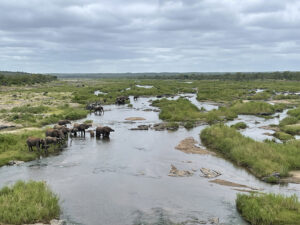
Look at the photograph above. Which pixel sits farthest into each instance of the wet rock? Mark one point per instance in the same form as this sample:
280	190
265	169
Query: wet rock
15	162
174	172
2	127
268	134
270	128
135	118
214	220
188	145
208	173
52	222
231	184
141	127
165	126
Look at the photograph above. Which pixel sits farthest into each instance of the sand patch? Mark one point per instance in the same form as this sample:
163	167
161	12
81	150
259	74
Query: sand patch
294	177
231	184
135	118
188	145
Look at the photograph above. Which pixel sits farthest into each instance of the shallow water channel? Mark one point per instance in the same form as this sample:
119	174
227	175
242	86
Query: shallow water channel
125	180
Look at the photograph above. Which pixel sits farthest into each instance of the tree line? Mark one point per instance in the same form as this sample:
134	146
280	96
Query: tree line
19	78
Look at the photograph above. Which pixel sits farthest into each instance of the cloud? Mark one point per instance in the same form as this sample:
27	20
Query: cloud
149	35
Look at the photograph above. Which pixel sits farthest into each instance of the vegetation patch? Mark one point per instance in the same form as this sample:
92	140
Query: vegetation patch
239	125
266	209
28	203
283	136
261	158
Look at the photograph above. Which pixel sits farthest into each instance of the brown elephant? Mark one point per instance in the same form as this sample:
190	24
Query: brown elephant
52	140
54	133
64	122
98	110
104	131
92	133
64	129
34	141
81	127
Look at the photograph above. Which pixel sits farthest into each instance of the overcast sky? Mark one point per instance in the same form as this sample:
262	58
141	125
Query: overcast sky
149	35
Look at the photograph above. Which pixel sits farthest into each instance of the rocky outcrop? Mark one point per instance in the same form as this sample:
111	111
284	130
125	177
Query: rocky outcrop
174	172
141	127
188	145
208	173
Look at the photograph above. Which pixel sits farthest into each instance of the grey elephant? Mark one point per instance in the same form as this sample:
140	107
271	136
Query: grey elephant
64	129
104	131
81	127
99	110
54	133
64	122
34	142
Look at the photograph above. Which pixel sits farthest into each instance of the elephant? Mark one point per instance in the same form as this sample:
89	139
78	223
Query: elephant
81	128
73	132
92	133
54	133
52	140
104	131
121	100
99	109
64	122
34	141
64	129
135	97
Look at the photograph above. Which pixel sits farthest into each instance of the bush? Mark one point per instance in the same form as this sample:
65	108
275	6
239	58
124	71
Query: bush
288	121
261	159
267	209
239	125
283	136
27	203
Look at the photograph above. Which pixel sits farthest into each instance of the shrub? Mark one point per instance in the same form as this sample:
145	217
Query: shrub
28	203
266	209
239	125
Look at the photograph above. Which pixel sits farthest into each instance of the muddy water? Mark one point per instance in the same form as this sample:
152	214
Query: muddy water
125	180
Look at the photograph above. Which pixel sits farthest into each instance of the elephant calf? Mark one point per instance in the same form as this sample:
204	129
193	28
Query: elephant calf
81	128
34	141
92	133
104	131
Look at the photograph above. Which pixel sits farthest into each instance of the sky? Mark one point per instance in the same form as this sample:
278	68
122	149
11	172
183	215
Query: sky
78	36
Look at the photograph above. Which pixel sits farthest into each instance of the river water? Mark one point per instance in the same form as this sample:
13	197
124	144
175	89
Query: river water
125	180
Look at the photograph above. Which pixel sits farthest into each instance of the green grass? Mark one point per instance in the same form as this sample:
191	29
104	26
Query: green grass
29	202
260	158
269	209
239	125
283	136
292	129
256	108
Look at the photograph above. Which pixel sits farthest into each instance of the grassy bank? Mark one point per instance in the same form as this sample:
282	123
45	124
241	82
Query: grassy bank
13	146
27	203
261	159
183	110
267	209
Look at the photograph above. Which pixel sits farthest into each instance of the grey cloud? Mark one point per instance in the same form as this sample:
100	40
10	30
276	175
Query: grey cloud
149	35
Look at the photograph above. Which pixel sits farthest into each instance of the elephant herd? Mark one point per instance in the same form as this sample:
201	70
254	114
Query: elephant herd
60	133
95	107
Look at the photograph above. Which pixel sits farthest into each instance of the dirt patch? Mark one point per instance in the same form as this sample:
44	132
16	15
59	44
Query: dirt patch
188	145
294	177
135	118
270	128
280	101
231	184
174	172
19	130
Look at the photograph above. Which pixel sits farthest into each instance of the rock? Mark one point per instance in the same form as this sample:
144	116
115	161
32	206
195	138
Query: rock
270	128
210	173
2	127
268	134
165	126
174	172
135	118
214	220
188	145
14	162
57	222
141	127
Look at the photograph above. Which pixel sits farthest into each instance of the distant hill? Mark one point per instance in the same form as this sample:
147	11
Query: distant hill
21	78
